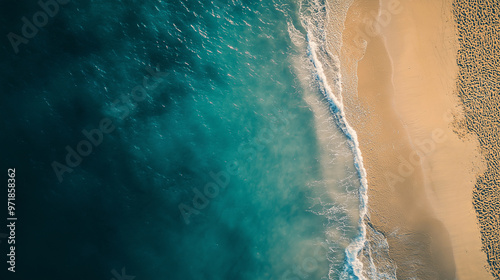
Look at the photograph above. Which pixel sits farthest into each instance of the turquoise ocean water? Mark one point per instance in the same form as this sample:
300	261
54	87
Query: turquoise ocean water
228	156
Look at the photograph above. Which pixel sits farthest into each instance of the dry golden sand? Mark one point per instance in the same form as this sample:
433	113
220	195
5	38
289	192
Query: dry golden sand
420	174
423	46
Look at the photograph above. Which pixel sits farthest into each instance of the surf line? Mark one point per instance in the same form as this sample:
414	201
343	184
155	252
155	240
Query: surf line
355	266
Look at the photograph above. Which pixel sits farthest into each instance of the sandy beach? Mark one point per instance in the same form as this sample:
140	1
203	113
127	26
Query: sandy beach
421	167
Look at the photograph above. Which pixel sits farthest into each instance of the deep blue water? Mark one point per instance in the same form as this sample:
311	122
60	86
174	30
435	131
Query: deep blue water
211	165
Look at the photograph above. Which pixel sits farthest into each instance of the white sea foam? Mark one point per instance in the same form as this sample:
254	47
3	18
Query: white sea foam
354	248
326	70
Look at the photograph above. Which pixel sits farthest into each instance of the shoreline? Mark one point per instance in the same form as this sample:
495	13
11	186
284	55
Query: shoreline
403	118
356	246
